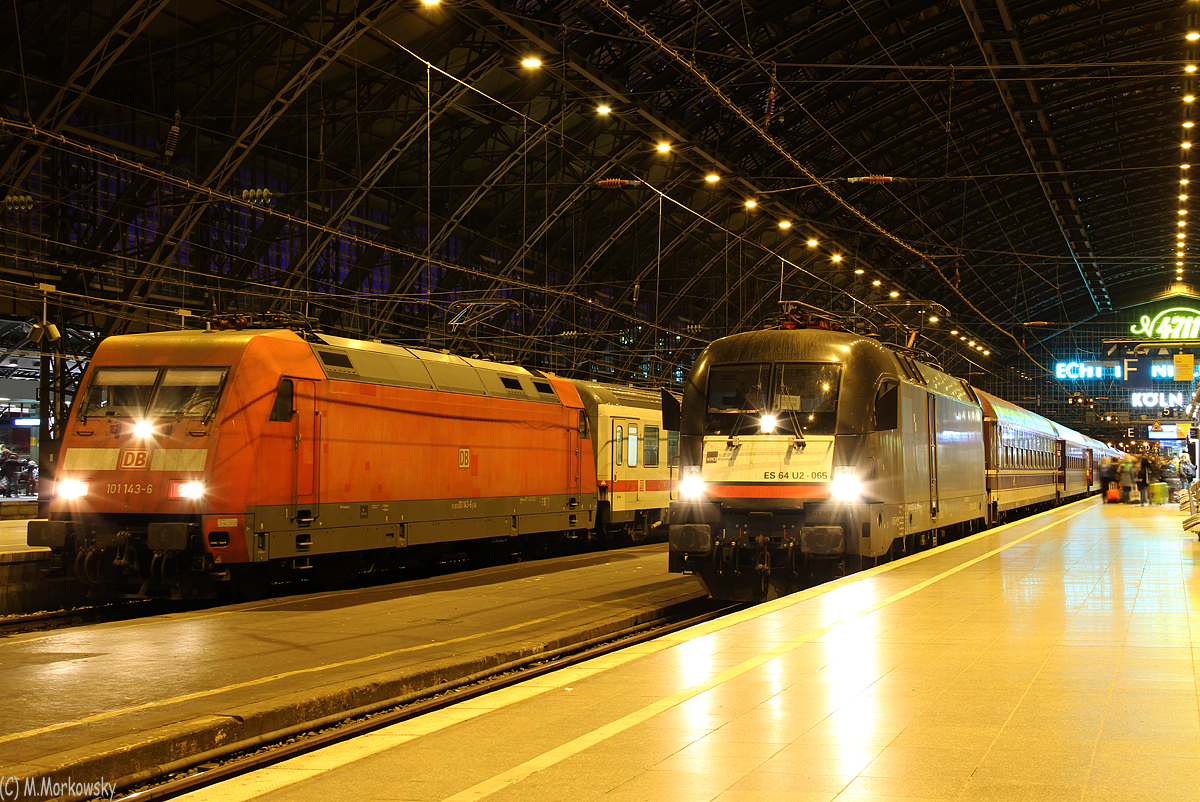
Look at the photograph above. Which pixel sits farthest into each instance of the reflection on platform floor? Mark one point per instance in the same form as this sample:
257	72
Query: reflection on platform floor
1050	659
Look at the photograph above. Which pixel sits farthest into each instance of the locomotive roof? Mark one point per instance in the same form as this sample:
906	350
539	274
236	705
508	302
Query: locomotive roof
618	396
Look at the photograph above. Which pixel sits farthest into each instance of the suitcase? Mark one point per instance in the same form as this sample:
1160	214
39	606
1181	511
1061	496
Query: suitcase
1113	495
1158	493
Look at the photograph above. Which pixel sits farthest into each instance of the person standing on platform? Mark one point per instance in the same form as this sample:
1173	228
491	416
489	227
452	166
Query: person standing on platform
1125	477
1187	471
1141	472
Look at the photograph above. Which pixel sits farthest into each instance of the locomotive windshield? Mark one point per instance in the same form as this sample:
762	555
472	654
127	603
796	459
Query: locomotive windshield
802	397
161	393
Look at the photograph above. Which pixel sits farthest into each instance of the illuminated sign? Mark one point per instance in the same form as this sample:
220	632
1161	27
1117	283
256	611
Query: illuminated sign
1168	431
1096	371
1083	370
1176	323
1156	400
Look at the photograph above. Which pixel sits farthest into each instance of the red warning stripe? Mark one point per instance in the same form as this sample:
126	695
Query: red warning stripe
767	491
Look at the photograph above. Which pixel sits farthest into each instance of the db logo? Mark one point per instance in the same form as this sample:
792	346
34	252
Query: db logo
135	459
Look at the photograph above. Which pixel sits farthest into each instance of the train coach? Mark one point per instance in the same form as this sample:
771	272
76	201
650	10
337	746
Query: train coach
806	451
198	462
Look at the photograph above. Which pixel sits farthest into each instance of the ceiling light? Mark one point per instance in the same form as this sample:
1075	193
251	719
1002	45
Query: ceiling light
1188	124
663	147
1184	166
1188	98
979	348
1183	197
962	338
972	342
531	62
1181	223
785	223
1183	211
858	271
1179	263
712	178
894	294
837	257
987	353
1192	36
603	109
1185	145
750	204
431	2
1190	68
1179	235
876	283
812	243
954	331
1183	180
933	318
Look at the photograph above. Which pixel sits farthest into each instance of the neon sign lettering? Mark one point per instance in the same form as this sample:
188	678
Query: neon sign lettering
1177	323
1156	400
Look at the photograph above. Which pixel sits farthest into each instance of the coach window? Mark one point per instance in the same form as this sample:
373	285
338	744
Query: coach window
672	448
633	446
620	443
282	411
650	449
887	406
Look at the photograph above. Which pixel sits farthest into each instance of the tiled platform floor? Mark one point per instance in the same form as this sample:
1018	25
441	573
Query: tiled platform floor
1051	659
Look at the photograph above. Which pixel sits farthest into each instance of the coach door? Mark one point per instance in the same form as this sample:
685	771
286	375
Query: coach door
305	431
931	410
625	435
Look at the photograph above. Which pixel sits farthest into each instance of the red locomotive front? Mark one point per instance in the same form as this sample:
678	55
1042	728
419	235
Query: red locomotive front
194	458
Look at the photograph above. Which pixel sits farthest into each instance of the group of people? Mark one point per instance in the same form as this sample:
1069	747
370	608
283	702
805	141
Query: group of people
1142	471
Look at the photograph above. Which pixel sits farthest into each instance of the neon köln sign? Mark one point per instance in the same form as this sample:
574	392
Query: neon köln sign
1176	323
1156	400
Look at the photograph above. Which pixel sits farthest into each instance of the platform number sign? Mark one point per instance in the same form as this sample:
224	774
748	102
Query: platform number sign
464	458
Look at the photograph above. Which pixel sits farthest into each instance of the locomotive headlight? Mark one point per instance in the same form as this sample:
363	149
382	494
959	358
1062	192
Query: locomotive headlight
845	485
692	485
187	489
72	488
766	424
143	428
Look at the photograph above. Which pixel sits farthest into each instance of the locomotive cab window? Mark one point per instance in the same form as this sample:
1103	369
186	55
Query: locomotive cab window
801	397
187	392
887	406
119	392
282	410
583	425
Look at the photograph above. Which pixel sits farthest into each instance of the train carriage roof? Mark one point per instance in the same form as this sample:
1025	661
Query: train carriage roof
1013	415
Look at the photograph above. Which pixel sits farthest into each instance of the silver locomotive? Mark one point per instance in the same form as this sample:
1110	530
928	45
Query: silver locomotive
808	452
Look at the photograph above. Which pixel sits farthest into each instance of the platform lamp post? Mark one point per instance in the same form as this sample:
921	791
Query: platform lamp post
44	334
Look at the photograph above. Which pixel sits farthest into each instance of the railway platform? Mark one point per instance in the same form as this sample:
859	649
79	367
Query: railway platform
1049	659
115	699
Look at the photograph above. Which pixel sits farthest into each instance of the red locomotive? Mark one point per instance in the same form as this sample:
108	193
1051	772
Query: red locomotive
200	460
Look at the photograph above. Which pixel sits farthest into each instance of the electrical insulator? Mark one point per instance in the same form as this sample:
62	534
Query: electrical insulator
613	183
256	195
18	203
770	104
172	137
871	179
636	289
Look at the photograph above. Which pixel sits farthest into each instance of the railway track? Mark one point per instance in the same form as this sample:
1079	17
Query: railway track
172	780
